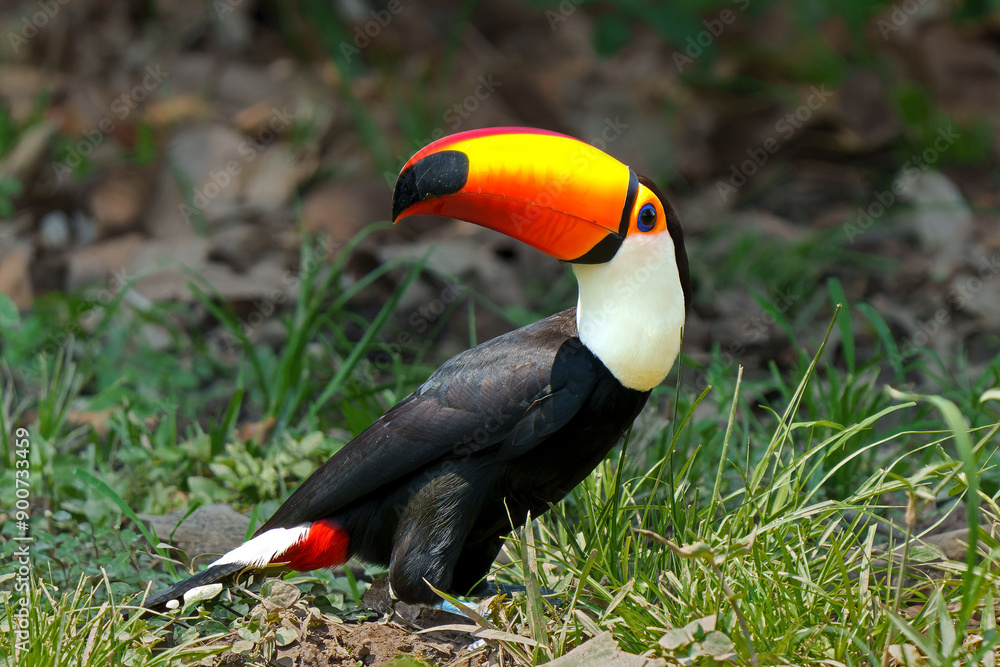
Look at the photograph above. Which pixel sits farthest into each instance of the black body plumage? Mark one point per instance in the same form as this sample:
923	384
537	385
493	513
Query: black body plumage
430	489
511	425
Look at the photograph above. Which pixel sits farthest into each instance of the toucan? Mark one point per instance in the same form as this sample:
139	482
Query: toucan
511	426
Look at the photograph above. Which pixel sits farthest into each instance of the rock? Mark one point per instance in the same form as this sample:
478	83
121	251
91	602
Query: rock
98	262
210	529
940	218
15	279
53	230
377	597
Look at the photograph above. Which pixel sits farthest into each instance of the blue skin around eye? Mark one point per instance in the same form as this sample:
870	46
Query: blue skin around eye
645	223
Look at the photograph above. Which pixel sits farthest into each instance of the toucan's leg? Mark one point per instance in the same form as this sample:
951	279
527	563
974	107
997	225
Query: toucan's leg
430	537
469	577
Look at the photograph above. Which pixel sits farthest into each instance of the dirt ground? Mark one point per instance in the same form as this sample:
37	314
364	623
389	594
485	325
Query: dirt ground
398	634
378	643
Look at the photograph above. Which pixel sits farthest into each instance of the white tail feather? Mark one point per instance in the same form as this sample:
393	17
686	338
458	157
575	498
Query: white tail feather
264	548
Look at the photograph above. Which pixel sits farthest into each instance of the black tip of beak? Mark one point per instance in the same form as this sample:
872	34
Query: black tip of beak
436	175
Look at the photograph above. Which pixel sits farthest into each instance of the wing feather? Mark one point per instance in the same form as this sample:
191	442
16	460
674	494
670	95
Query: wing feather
510	392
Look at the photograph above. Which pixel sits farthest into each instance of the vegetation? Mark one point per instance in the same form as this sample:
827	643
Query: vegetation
765	527
776	519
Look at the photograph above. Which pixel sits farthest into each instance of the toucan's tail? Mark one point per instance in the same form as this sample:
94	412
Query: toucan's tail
212	574
308	547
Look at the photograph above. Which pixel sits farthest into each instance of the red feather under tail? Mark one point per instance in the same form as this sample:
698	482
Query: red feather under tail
326	545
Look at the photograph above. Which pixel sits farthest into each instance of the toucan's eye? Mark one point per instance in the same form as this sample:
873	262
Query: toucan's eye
647	217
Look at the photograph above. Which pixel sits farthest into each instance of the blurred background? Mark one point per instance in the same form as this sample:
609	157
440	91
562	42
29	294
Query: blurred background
190	193
800	141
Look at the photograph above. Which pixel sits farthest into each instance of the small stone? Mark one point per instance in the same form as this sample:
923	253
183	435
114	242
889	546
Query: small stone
156	337
54	230
212	529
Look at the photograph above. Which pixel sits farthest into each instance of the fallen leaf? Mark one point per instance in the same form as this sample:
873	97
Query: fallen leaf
601	651
119	199
15	279
256	430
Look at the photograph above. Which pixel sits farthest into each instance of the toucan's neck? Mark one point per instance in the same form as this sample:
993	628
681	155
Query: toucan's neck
631	310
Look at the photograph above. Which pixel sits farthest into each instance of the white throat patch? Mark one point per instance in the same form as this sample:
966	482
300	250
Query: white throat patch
631	310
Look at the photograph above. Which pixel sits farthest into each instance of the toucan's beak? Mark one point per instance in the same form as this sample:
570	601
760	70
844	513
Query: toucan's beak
553	192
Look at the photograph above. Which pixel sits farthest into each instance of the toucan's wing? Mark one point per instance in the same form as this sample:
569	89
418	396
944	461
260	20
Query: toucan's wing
510	392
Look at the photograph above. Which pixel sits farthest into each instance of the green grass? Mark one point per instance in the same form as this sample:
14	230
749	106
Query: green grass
739	522
785	572
84	626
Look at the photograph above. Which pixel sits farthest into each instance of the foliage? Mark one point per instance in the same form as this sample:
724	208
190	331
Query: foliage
717	538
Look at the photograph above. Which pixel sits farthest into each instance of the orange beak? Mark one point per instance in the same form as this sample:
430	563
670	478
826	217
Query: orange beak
553	192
